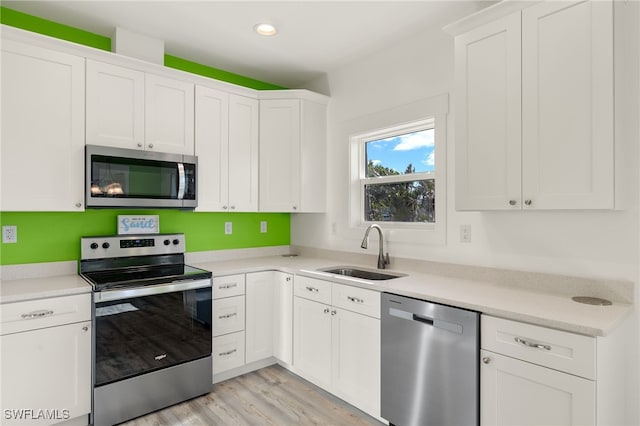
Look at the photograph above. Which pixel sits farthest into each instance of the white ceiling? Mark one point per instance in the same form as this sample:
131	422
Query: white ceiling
315	37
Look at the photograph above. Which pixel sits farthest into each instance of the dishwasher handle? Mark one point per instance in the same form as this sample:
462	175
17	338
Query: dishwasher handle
434	322
423	319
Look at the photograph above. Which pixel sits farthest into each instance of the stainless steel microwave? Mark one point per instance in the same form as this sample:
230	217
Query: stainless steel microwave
121	178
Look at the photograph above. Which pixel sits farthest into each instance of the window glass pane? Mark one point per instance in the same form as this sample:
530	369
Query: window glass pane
412	201
409	153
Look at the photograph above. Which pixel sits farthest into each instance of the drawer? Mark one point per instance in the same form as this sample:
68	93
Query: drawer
228	315
312	289
228	286
228	352
356	299
560	350
41	313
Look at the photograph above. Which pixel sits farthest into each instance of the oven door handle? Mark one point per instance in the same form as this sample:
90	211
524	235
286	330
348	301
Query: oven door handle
106	296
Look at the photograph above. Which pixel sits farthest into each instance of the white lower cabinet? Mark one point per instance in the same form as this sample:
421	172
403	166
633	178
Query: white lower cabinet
46	359
515	392
337	344
228	322
532	375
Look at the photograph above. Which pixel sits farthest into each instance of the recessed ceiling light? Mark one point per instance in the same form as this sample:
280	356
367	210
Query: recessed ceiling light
265	29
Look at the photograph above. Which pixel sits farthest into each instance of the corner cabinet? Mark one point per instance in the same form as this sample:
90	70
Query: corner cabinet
127	108
292	151
42	152
227	146
534	109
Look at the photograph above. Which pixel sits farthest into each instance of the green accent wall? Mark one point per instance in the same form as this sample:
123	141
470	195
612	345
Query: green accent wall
38	25
55	236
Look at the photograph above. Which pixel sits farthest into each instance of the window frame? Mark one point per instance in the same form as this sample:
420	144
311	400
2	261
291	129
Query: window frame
387	132
380	123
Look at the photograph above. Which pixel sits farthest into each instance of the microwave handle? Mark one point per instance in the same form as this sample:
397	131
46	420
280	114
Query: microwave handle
181	181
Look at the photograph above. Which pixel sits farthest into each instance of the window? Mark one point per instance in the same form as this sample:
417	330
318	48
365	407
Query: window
397	171
398	179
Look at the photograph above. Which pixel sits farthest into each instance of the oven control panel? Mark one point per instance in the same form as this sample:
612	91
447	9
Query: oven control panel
131	245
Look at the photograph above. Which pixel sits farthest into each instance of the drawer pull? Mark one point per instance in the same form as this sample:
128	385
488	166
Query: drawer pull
37	314
312	289
227	352
227	316
531	344
355	299
227	286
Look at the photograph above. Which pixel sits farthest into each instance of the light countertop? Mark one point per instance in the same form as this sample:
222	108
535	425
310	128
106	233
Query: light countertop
546	307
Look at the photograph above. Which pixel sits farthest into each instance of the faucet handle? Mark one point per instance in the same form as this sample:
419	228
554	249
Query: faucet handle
386	259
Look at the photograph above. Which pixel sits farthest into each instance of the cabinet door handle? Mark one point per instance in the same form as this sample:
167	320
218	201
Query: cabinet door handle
333	312
139	145
527	202
486	360
227	352
288	279
326	310
355	299
227	316
512	202
532	344
78	205
150	145
37	314
225	207
227	286
312	289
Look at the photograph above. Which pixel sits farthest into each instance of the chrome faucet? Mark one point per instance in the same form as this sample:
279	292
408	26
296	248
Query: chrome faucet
382	259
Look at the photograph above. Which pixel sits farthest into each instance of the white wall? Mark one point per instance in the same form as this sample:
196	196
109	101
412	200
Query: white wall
581	243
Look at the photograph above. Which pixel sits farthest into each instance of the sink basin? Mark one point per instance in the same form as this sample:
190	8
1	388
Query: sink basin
364	274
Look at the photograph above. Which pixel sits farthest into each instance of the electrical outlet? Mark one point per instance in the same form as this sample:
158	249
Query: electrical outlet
263	226
228	228
10	234
465	233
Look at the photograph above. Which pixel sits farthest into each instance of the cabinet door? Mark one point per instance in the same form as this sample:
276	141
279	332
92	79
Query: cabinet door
356	359
48	369
212	148
312	341
169	116
42	158
567	108
259	325
283	317
243	153
280	155
115	106
488	116
515	392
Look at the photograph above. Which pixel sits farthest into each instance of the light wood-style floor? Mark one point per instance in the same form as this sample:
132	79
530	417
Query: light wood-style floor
270	396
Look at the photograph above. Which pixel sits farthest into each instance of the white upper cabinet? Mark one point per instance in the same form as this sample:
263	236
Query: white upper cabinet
131	109
42	129
115	106
292	155
168	115
487	117
534	109
227	146
567	108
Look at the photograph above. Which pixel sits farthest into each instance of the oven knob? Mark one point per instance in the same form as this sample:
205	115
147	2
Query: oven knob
167	242
94	246
105	245
176	242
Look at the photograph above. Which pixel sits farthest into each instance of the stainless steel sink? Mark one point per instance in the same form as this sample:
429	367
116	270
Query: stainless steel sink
364	274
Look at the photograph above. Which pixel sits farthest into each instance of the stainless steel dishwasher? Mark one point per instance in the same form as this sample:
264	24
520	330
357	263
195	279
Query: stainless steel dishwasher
430	363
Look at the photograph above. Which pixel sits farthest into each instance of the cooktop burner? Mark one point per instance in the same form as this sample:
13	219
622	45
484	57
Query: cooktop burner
135	261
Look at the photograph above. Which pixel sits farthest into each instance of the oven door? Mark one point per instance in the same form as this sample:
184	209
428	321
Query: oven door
145	329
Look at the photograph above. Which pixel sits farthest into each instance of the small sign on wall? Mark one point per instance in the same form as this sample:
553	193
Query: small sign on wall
148	224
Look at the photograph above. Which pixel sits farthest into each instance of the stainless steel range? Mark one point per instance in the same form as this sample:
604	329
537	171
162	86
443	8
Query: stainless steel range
151	325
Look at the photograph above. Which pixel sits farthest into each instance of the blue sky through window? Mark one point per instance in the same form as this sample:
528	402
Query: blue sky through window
397	152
